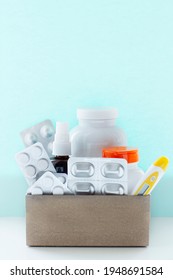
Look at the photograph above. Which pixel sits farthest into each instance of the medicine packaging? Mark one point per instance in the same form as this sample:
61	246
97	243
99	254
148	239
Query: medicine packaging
96	130
61	176
33	160
42	132
97	175
131	154
49	183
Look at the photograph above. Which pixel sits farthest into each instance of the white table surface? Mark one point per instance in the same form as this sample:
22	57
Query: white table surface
12	245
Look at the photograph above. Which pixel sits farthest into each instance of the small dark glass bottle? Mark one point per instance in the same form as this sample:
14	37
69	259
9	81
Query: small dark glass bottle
61	164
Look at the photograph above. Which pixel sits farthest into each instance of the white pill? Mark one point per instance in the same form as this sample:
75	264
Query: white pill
112	170
30	171
62	179
46	131
36	191
43	164
23	158
30	139
47	182
36	151
82	169
58	191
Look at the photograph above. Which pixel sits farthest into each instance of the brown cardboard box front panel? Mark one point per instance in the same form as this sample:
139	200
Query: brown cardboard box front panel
84	220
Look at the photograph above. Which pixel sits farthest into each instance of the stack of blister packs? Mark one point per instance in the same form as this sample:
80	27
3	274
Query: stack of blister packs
36	164
40	173
85	175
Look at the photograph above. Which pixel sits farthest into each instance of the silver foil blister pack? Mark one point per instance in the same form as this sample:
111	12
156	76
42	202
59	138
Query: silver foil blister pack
97	175
42	132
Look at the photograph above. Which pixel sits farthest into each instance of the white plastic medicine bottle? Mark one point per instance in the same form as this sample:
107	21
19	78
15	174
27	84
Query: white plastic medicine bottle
95	131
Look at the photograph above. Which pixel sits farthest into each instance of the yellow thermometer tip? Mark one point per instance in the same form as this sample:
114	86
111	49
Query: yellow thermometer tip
162	162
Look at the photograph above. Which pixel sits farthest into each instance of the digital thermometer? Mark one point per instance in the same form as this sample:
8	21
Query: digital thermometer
153	175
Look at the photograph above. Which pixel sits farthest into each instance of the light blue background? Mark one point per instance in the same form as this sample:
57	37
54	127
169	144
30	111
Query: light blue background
56	56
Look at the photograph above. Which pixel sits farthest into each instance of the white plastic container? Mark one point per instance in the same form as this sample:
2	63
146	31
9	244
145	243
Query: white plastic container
135	173
96	130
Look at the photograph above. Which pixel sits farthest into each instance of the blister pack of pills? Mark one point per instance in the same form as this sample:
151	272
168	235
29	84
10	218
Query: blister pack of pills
42	132
33	160
50	183
97	175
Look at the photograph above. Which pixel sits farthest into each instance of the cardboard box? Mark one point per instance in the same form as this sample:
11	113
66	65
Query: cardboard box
86	220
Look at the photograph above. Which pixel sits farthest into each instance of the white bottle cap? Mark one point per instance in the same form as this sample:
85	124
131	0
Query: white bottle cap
61	144
97	114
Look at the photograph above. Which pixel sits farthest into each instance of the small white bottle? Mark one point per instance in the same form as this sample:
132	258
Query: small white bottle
135	173
95	131
61	148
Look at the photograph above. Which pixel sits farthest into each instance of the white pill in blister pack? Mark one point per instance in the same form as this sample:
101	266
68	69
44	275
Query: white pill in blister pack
42	132
63	177
49	183
97	175
113	187
83	187
33	160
